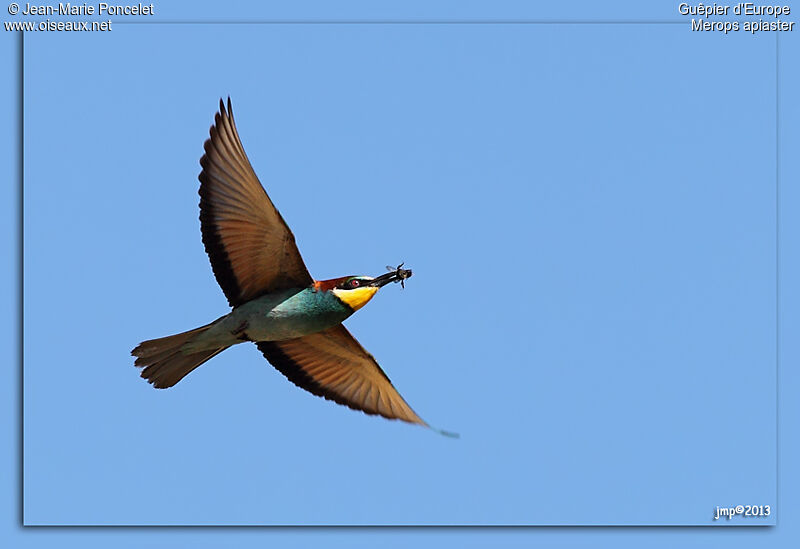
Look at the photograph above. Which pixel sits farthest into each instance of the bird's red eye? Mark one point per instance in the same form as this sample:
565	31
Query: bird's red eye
354	283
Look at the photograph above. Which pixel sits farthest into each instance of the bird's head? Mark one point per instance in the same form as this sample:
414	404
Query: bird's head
356	291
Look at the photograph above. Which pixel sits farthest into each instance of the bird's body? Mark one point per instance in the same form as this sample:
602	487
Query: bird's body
294	320
287	314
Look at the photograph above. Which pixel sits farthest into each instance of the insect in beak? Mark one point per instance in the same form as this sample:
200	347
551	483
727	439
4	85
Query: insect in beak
395	274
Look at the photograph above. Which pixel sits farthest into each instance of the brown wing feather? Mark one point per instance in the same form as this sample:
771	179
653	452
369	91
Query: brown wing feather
333	365
252	250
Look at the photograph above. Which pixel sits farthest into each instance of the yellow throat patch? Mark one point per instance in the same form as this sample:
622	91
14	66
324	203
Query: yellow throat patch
357	297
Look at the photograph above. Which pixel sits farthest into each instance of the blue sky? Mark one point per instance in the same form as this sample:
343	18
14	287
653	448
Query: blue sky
589	211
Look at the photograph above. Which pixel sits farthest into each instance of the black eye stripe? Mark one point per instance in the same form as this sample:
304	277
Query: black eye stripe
351	284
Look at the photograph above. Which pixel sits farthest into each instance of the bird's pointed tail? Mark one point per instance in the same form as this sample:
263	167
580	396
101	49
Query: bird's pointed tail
163	362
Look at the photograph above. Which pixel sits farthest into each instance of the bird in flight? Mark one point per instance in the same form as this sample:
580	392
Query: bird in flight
294	320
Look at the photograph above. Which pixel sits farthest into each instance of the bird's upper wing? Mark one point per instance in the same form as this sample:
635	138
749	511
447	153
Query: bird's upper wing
252	250
332	364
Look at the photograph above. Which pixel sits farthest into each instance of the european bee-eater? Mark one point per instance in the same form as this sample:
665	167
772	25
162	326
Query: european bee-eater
294	320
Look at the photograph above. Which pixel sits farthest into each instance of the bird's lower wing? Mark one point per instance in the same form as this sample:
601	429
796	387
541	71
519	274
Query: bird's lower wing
333	365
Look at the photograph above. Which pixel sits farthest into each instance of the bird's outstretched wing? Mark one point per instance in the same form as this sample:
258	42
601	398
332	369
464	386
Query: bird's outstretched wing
252	250
333	365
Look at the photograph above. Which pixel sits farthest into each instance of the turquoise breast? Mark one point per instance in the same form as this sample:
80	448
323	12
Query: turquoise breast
291	314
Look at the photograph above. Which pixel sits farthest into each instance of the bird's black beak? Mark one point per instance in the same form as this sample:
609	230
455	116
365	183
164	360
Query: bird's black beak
397	275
